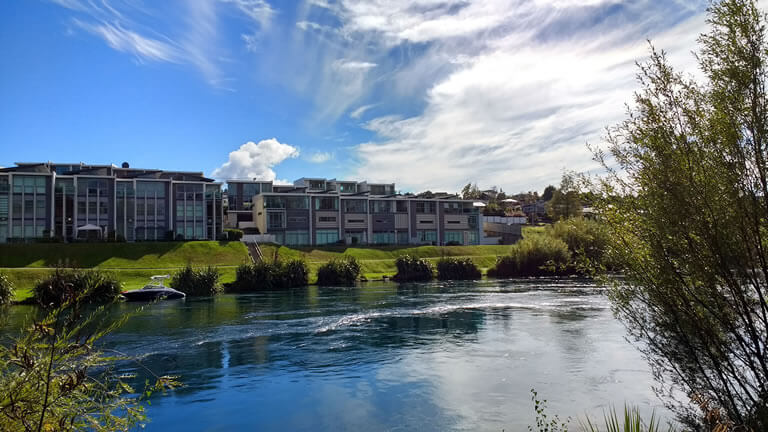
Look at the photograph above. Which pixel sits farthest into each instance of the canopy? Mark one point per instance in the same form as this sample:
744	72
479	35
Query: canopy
89	227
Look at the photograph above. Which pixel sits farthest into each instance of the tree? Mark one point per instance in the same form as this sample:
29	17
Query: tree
566	201
470	191
549	191
684	200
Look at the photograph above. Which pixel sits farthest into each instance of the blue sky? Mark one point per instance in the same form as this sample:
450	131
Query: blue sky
430	94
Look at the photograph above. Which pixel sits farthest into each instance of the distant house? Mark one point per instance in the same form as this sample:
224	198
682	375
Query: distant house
535	211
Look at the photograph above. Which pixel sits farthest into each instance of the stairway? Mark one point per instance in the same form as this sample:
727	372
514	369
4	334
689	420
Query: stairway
254	251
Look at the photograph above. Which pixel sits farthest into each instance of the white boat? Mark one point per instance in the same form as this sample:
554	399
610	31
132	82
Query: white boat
154	290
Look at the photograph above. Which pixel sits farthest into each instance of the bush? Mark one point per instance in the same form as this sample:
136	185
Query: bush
412	269
197	282
88	286
449	268
587	241
6	290
234	234
262	276
533	256
344	271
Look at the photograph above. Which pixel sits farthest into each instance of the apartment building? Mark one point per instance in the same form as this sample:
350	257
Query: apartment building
70	201
316	211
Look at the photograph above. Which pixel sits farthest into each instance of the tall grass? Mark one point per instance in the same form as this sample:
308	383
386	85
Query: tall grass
339	271
197	281
449	268
631	421
412	269
88	286
533	256
262	275
6	290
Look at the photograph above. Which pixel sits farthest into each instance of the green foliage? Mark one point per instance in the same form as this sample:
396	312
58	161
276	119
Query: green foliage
412	269
234	234
339	271
631	421
566	201
587	241
197	281
449	268
684	200
548	193
6	290
543	422
262	276
533	256
54	378
64	285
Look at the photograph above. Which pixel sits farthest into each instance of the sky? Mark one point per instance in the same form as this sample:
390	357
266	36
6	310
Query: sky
429	94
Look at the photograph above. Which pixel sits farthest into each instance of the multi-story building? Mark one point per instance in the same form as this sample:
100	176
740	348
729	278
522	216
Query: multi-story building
316	211
71	201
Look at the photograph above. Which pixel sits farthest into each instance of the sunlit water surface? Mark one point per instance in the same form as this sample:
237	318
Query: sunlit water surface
383	357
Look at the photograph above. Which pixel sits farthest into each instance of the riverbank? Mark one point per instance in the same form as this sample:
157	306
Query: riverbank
134	263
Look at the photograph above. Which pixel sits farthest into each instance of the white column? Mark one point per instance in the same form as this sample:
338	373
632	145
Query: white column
53	205
74	210
10	206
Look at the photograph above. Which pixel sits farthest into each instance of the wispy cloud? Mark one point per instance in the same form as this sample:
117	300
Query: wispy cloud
358	112
320	157
255	161
130	42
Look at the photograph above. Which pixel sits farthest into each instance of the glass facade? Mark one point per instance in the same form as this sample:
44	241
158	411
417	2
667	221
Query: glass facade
381	206
189	215
29	206
454	237
426	236
126	213
326	236
64	208
296	238
384	237
151	210
326	203
5	210
94	199
354	206
287	202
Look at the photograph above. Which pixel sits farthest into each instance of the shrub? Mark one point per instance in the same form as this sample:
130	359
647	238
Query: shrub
268	276
197	282
344	271
234	234
587	241
88	286
6	290
533	256
412	269
449	268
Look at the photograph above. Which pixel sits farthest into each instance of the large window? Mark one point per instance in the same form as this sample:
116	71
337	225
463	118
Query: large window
386	237
326	203
347	187
402	207
30	201
402	237
426	236
326	236
286	202
425	207
381	206
354	206
296	238
275	220
454	237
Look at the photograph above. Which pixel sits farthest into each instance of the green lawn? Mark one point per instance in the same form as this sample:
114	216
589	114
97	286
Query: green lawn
134	263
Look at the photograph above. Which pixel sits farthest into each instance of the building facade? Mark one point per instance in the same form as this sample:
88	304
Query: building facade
315	211
78	201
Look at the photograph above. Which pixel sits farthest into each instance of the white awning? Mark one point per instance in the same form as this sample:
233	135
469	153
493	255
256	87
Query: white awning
89	227
478	204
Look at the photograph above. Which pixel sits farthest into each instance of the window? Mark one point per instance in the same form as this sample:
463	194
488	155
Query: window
274	202
354	206
297	219
452	221
317	184
347	187
425	207
402	237
402	207
426	222
384	237
454	237
472	237
353	221
299	203
426	236
326	203
381	206
327	218
275	220
326	236
296	238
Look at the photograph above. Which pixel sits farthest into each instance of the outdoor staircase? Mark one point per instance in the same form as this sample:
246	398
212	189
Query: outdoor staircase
254	251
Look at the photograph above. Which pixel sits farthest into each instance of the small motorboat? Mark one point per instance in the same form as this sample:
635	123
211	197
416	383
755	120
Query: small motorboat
155	290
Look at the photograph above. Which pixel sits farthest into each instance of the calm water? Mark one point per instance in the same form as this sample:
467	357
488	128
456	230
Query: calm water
383	357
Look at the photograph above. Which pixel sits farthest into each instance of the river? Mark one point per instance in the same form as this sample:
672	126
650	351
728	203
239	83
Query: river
384	357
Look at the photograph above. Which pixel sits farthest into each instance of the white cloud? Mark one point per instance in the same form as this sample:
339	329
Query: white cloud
131	42
352	65
357	113
255	161
320	157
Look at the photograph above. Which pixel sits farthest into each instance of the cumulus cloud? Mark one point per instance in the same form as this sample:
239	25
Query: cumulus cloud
320	157
255	161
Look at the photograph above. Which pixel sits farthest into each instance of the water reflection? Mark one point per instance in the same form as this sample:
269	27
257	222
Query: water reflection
437	356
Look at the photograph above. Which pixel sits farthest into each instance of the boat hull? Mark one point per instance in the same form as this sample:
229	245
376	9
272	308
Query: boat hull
153	294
